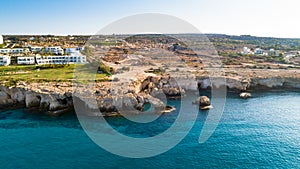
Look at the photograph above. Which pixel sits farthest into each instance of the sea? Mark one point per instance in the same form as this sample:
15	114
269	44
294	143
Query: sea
260	132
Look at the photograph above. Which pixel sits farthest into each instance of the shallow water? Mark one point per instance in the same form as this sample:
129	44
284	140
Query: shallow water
263	131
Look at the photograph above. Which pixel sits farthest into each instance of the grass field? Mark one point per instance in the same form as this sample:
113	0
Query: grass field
48	73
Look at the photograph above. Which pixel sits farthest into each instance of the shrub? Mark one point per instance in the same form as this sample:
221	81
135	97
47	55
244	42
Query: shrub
102	68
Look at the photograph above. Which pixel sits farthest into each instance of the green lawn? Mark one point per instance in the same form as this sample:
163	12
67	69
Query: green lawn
49	73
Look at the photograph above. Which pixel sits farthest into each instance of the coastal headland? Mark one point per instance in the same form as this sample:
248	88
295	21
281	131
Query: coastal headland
133	71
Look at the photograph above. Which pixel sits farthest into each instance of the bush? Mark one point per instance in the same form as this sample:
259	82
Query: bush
102	68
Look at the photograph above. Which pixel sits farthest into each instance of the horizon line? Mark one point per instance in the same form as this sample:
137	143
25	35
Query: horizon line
47	34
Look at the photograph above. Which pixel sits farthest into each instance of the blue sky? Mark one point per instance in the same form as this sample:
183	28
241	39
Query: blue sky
63	17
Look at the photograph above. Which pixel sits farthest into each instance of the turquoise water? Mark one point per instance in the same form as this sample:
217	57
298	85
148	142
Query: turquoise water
261	132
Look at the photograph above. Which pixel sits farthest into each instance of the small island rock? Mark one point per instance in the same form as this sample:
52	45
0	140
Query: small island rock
204	103
245	95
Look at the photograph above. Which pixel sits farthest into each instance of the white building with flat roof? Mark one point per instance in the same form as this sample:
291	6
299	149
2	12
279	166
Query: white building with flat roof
57	50
273	52
246	51
36	48
30	60
5	50
1	39
41	61
77	59
258	51
4	60
26	60
19	50
74	50
73	59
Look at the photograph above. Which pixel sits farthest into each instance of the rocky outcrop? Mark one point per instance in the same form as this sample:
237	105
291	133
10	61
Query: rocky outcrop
243	84
275	82
130	97
203	102
51	103
164	84
17	94
32	99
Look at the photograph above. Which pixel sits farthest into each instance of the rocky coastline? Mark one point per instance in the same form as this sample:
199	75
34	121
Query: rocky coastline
57	98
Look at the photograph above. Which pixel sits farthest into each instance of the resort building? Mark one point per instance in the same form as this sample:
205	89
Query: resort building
41	61
73	59
36	48
77	59
5	50
19	50
1	39
4	60
27	60
57	59
57	50
74	50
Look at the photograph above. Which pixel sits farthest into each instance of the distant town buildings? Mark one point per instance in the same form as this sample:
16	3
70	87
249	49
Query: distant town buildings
246	51
273	52
258	51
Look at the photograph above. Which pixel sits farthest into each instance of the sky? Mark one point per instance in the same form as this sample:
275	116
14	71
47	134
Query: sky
268	18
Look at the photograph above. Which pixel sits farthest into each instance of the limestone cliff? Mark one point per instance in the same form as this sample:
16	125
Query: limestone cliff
111	98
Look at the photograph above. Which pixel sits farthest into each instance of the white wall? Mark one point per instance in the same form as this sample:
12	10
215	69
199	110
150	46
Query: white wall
1	39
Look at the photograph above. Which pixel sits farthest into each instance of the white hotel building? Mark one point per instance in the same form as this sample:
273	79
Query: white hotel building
36	48
4	60
27	60
5	50
1	39
57	50
19	50
14	50
74	50
73	59
31	60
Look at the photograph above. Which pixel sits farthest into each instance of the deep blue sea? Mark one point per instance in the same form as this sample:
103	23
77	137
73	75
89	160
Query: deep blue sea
260	132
